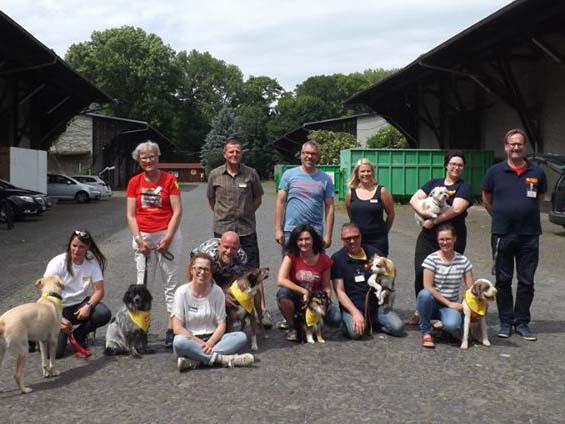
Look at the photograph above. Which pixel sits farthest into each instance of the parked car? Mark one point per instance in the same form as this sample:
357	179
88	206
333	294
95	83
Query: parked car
64	187
557	163
40	198
96	182
14	205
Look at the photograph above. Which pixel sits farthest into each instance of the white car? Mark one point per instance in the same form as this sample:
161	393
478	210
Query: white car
96	182
63	187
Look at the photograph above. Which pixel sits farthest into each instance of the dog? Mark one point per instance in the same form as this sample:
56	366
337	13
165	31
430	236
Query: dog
248	303
434	204
127	332
39	322
382	279
311	320
475	305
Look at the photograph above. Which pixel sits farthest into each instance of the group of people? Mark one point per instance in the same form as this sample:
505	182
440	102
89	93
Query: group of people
304	219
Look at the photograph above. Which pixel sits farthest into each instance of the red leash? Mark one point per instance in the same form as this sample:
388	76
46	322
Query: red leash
80	351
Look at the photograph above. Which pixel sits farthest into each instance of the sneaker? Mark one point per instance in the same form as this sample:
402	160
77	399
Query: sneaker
241	360
428	341
524	331
504	331
267	319
184	364
291	336
169	337
282	325
437	325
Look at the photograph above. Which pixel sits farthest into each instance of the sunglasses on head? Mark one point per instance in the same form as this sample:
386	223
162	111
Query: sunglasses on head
82	234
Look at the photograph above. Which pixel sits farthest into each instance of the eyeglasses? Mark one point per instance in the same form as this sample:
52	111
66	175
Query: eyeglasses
147	158
198	269
82	234
351	238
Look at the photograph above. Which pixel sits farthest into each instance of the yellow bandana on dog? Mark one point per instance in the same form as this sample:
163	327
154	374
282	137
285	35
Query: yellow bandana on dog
141	318
476	305
312	318
53	299
244	299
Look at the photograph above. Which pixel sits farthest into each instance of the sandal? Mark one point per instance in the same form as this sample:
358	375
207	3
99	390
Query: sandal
437	325
414	319
428	341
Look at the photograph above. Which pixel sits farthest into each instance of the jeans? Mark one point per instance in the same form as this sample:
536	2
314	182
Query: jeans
229	344
525	251
99	316
333	314
386	320
429	309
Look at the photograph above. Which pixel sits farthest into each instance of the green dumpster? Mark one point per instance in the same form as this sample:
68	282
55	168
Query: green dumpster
334	171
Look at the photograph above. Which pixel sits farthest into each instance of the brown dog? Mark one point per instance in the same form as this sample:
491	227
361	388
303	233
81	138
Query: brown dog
382	279
38	322
475	305
248	299
314	312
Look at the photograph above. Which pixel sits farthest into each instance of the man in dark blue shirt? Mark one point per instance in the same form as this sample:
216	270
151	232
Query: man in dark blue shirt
512	193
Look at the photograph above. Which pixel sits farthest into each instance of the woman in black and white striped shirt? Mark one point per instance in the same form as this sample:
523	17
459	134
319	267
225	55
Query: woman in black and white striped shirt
444	271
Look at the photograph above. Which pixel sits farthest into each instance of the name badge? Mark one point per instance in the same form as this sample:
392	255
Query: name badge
532	194
374	201
87	279
359	278
192	308
242	185
157	190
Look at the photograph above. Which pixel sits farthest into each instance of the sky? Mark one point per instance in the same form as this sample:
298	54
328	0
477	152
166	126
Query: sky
289	40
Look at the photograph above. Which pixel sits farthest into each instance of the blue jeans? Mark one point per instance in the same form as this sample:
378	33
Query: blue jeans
429	309
525	251
229	344
386	320
333	314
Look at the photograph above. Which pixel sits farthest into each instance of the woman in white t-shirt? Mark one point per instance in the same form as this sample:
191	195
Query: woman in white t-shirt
81	268
199	322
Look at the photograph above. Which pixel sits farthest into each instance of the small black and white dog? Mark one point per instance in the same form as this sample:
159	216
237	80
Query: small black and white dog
127	332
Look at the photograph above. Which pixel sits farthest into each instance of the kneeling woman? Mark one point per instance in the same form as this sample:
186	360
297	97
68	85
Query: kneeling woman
199	322
444	271
81	268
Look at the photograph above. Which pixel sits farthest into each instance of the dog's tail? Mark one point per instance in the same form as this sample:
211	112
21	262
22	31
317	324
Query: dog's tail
2	327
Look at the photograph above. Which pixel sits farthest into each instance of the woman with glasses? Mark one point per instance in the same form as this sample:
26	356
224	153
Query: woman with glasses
459	200
154	212
366	202
199	322
444	271
81	269
305	268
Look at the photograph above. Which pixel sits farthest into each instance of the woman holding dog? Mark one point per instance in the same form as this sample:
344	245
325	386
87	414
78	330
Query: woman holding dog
81	269
444	271
459	200
199	322
366	202
305	268
154	212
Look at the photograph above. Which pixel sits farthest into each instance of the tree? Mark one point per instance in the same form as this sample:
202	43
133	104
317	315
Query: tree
261	91
389	138
223	128
251	124
331	144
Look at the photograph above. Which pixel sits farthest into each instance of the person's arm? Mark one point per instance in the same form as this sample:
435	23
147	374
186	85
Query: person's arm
468	279
283	279
176	206
142	245
215	337
459	206
347	304
487	201
348	204
429	285
210	194
326	282
330	215
97	295
257	202
279	216
416	203
388	204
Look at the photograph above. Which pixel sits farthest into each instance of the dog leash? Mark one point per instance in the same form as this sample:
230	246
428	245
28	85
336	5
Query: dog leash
80	351
495	257
166	254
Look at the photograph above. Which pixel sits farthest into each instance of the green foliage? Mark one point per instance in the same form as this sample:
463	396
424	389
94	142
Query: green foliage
331	143
214	159
261	91
387	138
223	128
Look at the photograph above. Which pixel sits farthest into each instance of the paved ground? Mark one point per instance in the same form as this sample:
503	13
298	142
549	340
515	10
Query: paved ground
380	379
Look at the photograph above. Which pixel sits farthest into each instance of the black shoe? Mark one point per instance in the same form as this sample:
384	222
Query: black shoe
169	337
504	331
524	331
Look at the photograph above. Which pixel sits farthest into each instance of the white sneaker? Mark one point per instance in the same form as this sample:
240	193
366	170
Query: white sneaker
230	361
184	363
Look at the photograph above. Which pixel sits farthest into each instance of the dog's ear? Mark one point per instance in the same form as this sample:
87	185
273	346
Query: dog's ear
476	289
39	283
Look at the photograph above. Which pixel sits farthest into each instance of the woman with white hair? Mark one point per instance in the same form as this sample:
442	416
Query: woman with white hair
154	212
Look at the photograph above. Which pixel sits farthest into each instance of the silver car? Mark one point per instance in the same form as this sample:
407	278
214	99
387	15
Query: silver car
96	182
64	187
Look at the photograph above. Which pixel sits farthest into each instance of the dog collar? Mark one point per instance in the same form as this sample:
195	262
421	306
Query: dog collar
141	318
244	299
312	318
53	298
476	305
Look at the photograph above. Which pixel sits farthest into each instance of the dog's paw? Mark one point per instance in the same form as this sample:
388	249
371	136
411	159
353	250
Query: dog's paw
486	342
320	340
254	347
464	345
25	390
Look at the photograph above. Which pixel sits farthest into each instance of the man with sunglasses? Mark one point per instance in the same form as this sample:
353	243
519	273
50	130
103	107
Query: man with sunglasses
350	275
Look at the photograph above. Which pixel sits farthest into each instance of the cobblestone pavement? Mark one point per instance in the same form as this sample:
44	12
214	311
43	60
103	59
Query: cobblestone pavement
379	379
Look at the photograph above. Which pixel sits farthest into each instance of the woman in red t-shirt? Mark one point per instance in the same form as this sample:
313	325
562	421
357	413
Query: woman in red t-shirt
154	212
305	268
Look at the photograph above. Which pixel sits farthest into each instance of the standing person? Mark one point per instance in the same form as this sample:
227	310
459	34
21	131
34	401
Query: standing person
512	194
305	268
459	200
81	269
154	212
444	271
350	275
199	321
234	194
305	195
365	202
